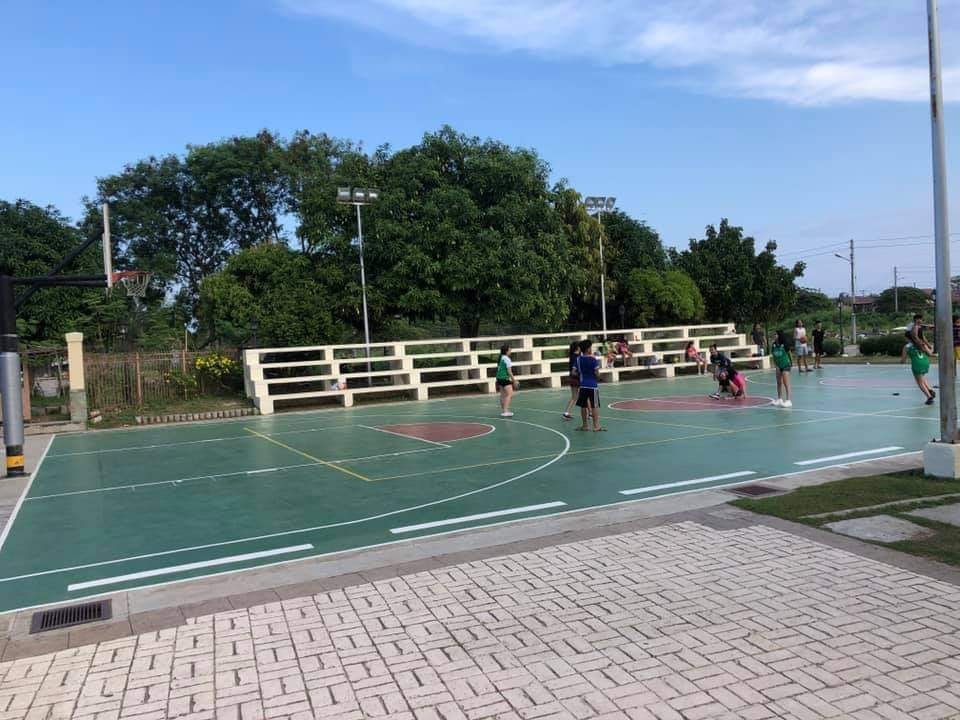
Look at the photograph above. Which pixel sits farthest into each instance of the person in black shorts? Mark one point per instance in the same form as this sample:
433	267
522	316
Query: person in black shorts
818	351
588	398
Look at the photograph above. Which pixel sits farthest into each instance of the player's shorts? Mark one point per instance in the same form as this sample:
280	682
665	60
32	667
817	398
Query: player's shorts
588	397
803	349
919	362
502	383
818	349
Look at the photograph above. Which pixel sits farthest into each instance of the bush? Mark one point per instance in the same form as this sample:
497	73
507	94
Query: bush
891	345
832	347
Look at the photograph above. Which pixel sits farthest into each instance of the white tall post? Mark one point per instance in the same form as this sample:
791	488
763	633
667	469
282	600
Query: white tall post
944	309
363	285
853	299
603	271
896	292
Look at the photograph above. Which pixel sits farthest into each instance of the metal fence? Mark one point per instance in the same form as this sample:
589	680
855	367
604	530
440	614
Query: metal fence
47	376
129	380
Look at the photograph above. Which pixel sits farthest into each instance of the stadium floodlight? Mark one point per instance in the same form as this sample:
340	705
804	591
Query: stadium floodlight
594	204
361	196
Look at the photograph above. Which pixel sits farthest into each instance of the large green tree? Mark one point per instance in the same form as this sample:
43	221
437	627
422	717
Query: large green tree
465	229
656	297
737	283
909	300
290	298
33	240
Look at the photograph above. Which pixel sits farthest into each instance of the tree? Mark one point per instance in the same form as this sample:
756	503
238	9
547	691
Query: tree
738	284
181	218
774	292
669	297
811	301
281	289
465	228
909	300
32	241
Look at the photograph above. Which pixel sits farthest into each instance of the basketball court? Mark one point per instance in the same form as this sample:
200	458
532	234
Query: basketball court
114	510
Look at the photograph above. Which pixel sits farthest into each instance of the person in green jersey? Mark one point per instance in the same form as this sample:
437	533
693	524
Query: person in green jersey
783	364
506	382
918	350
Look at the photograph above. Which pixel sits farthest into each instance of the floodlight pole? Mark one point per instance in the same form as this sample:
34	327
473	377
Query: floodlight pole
944	307
363	286
603	272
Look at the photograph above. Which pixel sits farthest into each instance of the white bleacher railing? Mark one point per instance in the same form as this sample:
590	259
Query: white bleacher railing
414	367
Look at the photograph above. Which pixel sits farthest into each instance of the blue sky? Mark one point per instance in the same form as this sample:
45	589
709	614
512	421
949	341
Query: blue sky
805	121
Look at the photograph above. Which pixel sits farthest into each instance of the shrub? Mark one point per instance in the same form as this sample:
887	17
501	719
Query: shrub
890	345
831	346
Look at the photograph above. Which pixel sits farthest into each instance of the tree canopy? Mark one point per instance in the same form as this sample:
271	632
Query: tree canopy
909	300
467	231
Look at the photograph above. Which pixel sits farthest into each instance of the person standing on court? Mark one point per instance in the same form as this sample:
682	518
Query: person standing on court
800	346
574	379
956	338
781	361
588	398
506	381
818	346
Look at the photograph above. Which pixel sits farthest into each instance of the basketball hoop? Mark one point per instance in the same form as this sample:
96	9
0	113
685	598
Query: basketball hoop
133	282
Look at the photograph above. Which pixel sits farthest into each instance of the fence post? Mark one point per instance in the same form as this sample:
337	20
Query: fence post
78	388
139	381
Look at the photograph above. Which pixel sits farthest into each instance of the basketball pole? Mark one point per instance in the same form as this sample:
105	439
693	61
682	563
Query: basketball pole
10	380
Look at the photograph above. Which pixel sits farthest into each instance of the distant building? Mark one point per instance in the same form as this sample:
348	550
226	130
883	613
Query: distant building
863	303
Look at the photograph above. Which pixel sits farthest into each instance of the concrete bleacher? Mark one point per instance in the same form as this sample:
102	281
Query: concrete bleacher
415	367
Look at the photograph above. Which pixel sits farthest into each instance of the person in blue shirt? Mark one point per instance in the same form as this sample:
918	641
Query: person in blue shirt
588	399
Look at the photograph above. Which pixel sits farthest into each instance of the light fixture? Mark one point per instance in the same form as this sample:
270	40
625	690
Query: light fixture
590	204
373	194
343	194
611	202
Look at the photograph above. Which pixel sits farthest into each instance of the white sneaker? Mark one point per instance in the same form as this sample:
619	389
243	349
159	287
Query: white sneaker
777	403
506	414
787	403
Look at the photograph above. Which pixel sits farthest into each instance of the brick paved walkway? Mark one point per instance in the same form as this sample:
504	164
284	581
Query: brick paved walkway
677	621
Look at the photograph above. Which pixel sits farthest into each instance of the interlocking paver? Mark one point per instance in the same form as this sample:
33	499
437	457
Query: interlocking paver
678	621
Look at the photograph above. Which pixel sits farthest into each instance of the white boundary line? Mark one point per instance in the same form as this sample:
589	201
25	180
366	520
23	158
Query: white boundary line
285	533
402	435
188	566
418	538
858	453
696	481
26	491
478	516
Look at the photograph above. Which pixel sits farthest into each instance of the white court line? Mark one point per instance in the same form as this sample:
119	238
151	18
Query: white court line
443	533
26	491
478	516
216	476
196	442
859	453
188	566
403	435
327	526
696	481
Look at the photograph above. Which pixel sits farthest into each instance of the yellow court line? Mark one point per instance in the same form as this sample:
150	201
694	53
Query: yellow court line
308	455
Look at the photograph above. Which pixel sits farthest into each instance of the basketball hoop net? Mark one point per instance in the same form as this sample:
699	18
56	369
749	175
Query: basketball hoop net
133	282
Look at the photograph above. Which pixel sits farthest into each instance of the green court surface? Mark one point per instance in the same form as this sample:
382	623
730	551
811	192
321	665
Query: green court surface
120	509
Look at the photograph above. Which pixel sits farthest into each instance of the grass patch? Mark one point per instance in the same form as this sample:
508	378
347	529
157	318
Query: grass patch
848	494
205	403
841	495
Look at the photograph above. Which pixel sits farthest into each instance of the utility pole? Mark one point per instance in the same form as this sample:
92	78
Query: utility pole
896	293
853	298
944	309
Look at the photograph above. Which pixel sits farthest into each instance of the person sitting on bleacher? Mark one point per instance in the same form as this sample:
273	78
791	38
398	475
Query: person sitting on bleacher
623	348
695	356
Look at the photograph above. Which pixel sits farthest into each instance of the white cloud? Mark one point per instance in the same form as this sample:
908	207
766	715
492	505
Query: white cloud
804	52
